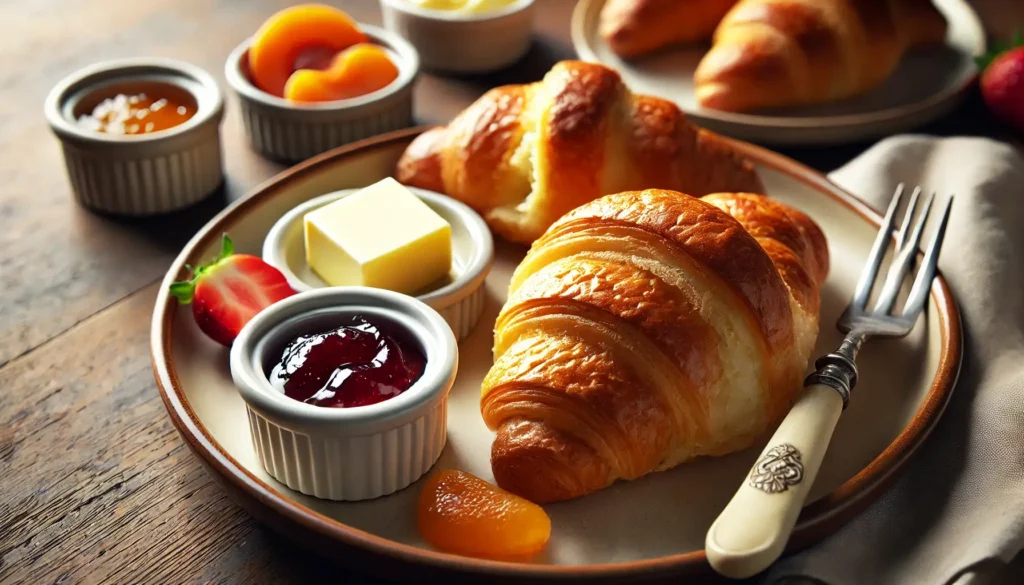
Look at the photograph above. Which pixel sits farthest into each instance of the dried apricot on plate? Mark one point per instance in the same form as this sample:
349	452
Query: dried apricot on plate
290	33
356	71
463	514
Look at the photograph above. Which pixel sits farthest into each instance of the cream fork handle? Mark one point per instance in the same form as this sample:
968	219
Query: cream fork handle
752	530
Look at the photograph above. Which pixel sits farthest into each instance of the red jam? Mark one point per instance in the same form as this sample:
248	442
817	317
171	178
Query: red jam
356	364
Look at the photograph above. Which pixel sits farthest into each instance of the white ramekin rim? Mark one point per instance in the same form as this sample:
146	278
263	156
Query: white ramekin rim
468	281
77	85
455	16
268	329
408	69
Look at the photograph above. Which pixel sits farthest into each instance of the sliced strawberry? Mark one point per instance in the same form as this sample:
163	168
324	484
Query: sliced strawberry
226	293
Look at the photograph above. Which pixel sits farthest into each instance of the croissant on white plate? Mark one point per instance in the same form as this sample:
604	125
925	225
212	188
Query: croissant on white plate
524	155
773	53
648	328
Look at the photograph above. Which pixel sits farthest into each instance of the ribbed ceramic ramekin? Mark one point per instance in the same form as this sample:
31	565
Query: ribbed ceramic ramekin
460	300
345	453
449	40
289	131
139	174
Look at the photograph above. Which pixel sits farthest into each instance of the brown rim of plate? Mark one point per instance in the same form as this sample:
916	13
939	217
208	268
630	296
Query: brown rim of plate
816	521
590	9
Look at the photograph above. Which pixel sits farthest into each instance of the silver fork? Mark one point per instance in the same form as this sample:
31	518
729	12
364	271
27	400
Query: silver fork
752	530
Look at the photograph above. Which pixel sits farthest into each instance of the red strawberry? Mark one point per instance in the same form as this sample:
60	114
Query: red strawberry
1002	82
228	292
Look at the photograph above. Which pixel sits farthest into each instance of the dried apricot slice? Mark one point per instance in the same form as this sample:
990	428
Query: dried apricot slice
356	71
286	35
463	514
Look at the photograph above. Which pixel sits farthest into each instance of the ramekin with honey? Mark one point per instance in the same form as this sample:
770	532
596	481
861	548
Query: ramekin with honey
140	136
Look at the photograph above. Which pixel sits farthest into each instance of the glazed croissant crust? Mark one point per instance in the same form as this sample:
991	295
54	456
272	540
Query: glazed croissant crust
647	328
524	155
634	27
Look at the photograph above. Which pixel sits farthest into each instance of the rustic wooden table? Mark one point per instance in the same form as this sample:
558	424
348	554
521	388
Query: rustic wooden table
95	484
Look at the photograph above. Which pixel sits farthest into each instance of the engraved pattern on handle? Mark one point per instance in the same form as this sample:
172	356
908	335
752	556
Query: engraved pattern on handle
779	468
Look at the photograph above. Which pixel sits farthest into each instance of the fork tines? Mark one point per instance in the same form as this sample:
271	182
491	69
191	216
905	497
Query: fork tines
907	242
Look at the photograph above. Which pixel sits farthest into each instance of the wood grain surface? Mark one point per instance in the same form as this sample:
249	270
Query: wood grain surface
95	484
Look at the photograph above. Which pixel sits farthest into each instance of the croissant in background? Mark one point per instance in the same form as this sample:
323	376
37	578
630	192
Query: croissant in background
634	27
524	155
645	329
768	53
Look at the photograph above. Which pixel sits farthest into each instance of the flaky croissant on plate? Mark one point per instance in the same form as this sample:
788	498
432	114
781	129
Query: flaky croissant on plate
771	53
635	27
524	155
645	329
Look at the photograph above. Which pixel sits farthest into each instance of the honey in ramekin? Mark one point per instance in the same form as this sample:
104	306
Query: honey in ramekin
135	108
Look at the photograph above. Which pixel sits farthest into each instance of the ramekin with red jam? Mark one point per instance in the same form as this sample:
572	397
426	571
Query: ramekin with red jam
346	390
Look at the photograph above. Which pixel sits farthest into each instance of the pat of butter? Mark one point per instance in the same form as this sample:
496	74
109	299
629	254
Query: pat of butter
382	236
465	6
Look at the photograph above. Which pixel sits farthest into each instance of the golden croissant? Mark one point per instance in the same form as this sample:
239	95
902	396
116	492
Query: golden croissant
770	53
524	155
645	329
634	27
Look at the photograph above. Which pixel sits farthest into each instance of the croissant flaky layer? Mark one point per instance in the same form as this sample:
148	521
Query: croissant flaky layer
647	328
524	155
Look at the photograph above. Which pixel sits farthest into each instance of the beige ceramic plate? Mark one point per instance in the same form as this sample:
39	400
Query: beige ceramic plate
927	84
650	528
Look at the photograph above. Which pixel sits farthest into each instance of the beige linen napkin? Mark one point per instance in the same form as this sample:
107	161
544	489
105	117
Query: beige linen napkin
957	510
